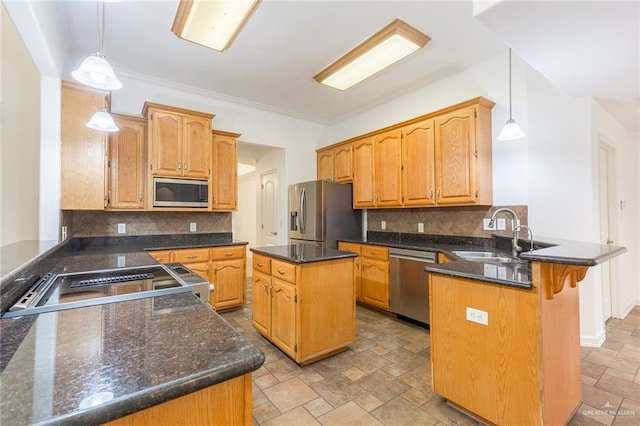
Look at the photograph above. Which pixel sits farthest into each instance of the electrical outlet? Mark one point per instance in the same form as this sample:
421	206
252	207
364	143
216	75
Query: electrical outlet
121	262
421	227
501	223
485	224
383	225
192	227
122	228
478	316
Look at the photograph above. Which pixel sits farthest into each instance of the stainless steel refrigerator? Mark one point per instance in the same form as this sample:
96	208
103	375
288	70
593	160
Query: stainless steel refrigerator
321	212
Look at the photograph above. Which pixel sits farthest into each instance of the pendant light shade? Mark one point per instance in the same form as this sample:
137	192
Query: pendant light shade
95	71
511	130
102	121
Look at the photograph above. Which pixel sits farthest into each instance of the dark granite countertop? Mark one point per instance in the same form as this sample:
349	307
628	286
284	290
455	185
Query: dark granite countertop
515	274
302	253
130	355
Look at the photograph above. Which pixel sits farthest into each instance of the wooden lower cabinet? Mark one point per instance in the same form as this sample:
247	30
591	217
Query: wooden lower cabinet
224	266
307	310
227	403
371	274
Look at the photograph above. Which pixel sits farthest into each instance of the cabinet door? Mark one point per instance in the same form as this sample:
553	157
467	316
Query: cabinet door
83	150
228	280
283	316
127	163
343	163
325	165
165	130
375	282
200	268
224	182
387	171
363	177
455	157
357	249
162	256
196	142
418	170
261	302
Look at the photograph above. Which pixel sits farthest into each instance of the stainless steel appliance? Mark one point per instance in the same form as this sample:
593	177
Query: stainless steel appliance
55	292
408	284
175	192
321	212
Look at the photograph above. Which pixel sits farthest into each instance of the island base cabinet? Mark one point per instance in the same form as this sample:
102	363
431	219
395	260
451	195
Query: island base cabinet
227	403
307	310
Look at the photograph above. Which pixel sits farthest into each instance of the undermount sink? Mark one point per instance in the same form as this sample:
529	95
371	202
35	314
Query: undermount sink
485	256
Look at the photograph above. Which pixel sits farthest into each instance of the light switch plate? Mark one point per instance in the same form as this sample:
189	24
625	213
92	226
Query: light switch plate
501	222
192	227
421	227
122	228
383	225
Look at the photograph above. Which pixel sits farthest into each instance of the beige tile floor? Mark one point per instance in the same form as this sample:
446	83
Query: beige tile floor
385	378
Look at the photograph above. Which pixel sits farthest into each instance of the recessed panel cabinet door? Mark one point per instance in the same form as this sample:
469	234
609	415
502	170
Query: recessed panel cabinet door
228	277
343	163
127	163
418	171
166	151
363	182
455	146
283	316
196	147
325	165
375	282
224	180
261	302
387	171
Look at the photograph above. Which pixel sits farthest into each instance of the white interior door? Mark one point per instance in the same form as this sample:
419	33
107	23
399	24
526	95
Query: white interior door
606	176
269	208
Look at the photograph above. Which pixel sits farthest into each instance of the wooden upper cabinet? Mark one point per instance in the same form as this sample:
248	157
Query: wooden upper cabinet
418	170
83	150
224	177
179	141
363	173
325	164
336	163
455	150
388	169
127	163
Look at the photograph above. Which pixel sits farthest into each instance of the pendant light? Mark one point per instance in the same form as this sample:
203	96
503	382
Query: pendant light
102	121
511	130
95	71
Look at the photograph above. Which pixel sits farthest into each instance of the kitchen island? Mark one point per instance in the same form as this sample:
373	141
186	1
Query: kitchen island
304	299
506	348
164	359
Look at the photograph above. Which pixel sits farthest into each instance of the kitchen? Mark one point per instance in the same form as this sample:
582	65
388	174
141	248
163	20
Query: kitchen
524	174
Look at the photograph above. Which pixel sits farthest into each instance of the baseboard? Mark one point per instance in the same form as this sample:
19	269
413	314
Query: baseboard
592	341
629	308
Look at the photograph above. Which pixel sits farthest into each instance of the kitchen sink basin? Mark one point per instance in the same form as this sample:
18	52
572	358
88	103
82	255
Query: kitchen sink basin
485	256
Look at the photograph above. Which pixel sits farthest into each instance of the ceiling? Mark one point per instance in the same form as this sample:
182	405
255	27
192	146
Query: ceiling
272	62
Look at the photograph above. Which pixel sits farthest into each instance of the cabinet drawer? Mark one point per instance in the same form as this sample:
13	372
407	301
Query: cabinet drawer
191	255
231	252
352	247
162	256
375	252
284	271
262	264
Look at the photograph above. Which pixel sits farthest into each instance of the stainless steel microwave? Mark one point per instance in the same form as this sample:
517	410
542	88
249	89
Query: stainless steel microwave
174	192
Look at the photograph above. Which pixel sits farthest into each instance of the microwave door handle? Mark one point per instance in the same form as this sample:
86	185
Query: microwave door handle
303	211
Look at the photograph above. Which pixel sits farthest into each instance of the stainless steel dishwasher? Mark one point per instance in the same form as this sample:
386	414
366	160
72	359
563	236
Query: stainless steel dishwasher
408	285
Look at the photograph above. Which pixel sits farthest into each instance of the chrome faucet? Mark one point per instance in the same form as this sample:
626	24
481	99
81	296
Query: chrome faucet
529	232
515	248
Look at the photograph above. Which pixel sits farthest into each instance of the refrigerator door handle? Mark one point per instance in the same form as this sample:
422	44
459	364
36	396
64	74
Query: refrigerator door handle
302	217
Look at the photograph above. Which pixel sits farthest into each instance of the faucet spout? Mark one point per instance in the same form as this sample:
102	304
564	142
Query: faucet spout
515	248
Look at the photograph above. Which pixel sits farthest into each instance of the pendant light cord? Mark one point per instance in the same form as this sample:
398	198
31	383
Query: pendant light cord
510	84
100	28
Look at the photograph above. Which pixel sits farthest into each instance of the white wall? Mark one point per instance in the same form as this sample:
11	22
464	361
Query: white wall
246	217
20	138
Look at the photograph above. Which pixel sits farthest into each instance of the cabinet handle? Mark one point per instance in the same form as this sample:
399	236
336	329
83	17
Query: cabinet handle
260	264
438	194
281	272
228	254
185	167
431	193
194	256
140	197
179	165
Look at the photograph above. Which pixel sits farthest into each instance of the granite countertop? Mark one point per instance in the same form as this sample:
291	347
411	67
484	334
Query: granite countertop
516	273
302	253
129	355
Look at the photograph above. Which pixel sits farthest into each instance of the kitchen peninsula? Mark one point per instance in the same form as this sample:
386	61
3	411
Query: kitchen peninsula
304	299
162	359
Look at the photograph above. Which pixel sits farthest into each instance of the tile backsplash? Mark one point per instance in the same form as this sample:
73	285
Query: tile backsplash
458	221
105	223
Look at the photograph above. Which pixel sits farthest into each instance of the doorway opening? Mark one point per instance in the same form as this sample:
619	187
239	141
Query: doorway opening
608	224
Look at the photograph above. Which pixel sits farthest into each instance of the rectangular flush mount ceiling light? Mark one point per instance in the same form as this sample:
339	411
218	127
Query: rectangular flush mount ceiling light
392	43
212	23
